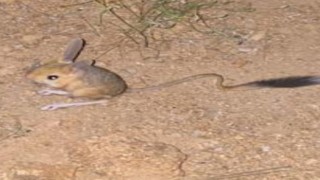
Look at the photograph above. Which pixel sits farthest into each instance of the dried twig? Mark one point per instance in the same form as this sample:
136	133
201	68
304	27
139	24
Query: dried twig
252	173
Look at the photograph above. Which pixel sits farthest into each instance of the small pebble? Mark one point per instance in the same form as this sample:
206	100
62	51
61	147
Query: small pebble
258	36
265	148
31	39
311	161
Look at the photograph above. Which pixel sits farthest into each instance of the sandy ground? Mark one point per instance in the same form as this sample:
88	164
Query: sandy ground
192	131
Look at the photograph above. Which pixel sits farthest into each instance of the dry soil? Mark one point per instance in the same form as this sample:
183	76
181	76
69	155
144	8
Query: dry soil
191	131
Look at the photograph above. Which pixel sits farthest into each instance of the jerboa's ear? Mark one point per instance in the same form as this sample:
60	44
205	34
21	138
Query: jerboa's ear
73	50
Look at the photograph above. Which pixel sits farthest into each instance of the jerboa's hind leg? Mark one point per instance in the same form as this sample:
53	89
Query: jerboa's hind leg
92	93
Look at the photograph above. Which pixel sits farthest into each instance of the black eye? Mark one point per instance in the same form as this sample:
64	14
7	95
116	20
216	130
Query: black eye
52	77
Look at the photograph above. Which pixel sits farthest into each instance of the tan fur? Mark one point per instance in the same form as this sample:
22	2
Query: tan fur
81	79
92	93
78	81
39	75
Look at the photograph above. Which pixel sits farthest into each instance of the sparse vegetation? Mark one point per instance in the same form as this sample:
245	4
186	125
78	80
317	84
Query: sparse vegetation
138	17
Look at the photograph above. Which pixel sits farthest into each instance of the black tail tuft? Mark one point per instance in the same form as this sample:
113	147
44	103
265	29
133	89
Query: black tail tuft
288	82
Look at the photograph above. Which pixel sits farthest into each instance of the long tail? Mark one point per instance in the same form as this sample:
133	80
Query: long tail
286	82
219	82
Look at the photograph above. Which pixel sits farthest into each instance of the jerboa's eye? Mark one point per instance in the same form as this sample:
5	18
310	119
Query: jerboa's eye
52	77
